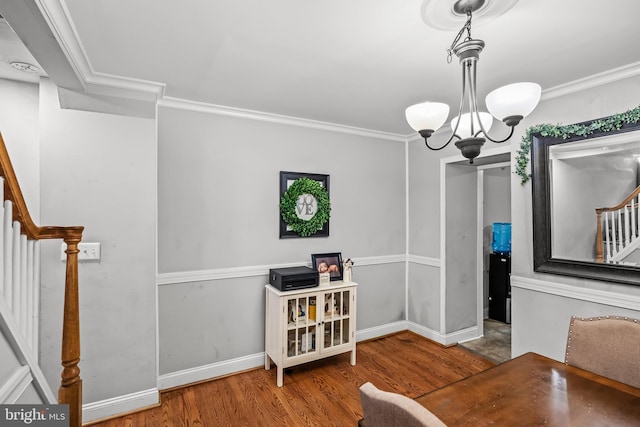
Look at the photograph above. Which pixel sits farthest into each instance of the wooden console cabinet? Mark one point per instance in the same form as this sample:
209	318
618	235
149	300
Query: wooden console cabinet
309	324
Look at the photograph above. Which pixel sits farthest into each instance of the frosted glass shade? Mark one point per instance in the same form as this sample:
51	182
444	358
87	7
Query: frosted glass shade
464	128
517	99
427	115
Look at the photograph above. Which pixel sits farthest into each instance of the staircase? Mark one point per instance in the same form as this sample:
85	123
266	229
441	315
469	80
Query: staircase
618	230
19	303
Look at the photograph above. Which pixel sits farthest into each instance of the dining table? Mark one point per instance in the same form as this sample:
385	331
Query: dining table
534	390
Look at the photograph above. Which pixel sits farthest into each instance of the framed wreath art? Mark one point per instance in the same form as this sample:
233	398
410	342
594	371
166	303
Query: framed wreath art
305	207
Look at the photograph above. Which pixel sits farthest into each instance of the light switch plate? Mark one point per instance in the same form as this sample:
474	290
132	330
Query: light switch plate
88	252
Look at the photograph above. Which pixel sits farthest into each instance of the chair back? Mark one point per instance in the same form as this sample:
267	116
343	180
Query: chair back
386	409
608	346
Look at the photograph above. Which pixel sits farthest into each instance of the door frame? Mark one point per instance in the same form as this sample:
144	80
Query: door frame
459	159
480	241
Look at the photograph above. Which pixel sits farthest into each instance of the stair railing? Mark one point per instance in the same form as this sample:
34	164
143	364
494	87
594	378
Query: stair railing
618	229
19	261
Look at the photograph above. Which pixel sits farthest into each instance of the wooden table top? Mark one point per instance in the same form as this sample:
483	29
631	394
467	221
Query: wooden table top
533	390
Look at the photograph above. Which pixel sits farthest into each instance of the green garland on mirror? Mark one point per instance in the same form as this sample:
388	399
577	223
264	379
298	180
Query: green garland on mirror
608	124
289	201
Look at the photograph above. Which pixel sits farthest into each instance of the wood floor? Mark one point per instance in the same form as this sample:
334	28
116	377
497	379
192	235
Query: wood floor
321	393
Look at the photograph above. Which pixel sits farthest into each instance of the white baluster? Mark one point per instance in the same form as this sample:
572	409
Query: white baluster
31	303
633	220
627	230
24	289
614	233
15	280
8	252
607	234
36	298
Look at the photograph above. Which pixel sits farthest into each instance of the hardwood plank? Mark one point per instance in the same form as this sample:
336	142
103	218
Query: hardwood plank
324	392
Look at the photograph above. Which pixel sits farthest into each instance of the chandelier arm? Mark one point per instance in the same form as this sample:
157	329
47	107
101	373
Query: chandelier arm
474	109
438	148
453	135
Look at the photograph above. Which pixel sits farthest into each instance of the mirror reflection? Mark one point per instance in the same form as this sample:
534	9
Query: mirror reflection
593	196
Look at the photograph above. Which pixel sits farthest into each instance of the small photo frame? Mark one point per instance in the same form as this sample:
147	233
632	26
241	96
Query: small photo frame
328	263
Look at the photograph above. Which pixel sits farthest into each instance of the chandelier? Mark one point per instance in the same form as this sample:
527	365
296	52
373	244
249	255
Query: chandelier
510	103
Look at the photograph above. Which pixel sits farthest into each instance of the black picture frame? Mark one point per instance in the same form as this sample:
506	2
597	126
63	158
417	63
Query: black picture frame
286	179
330	259
543	259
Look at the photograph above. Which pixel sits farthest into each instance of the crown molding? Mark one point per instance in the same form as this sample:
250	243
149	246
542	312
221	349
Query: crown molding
595	80
56	15
202	107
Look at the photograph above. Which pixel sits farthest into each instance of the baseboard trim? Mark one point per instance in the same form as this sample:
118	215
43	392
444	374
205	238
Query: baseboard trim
120	405
380	331
213	370
446	339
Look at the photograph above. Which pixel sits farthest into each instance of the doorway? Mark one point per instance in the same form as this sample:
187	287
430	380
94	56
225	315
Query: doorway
482	192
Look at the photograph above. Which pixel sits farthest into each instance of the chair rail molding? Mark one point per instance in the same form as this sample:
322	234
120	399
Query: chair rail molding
614	299
257	270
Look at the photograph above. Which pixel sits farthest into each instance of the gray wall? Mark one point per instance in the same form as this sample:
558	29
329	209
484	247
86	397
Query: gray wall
218	195
540	312
461	247
424	235
19	128
423	297
98	170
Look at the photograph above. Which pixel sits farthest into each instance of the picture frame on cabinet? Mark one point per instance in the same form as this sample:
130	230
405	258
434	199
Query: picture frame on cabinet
328	263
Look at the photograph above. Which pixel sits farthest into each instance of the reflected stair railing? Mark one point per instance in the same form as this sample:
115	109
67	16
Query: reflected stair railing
618	229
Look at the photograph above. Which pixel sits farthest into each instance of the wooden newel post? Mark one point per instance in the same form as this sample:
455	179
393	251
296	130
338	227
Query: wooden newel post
70	391
599	249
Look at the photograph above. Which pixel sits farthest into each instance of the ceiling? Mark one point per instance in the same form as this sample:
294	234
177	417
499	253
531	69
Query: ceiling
13	51
356	63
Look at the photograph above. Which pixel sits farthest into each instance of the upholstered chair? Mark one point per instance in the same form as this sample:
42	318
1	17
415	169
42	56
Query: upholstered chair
608	346
386	409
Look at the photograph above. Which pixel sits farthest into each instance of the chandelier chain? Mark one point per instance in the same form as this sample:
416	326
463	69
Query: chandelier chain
467	27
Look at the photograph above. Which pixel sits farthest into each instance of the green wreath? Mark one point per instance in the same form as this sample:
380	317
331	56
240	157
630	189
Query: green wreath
608	124
289	204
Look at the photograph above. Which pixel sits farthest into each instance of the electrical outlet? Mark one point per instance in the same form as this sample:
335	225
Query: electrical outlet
88	251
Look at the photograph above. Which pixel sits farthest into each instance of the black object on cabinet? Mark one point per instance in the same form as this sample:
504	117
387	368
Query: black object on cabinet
500	287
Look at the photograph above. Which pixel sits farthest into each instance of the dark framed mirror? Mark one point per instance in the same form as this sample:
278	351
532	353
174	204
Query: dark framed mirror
586	203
